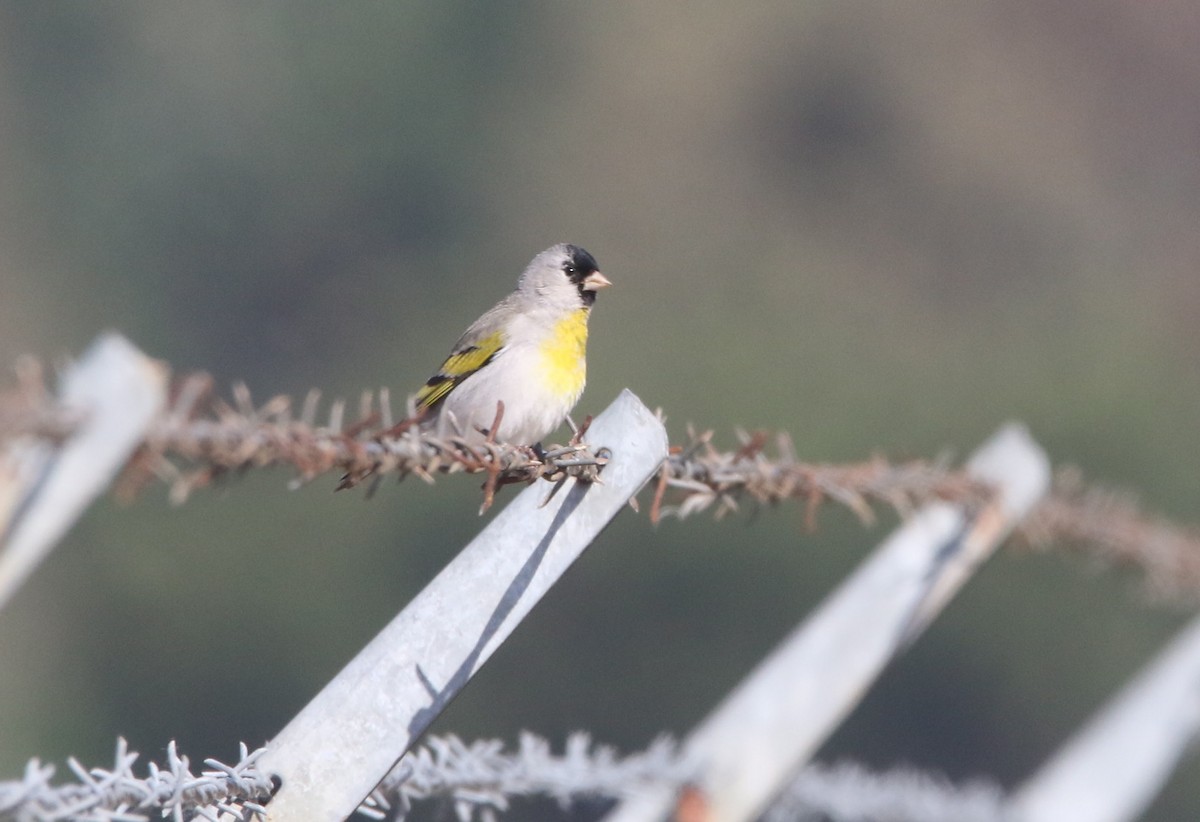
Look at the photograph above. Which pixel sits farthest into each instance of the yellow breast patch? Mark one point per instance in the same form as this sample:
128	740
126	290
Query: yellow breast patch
563	354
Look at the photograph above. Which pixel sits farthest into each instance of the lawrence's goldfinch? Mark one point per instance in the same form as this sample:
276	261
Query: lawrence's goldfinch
528	350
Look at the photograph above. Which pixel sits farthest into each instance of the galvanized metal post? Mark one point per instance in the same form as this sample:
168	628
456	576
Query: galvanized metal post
118	393
747	749
1113	768
341	744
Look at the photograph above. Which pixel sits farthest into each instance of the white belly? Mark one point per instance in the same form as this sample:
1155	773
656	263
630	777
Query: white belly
532	406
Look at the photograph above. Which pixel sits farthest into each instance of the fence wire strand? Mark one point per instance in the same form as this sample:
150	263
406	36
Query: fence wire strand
478	780
117	794
202	438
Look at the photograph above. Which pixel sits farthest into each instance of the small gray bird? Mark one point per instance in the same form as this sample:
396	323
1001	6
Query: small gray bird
527	351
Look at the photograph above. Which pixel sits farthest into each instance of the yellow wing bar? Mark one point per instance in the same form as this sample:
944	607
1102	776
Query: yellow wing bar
457	367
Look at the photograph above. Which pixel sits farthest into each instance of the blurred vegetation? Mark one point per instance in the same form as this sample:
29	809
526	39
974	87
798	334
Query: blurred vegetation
883	228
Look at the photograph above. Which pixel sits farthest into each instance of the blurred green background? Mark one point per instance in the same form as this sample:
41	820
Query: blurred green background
886	228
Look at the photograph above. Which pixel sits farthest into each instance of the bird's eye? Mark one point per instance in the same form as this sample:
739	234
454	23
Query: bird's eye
570	269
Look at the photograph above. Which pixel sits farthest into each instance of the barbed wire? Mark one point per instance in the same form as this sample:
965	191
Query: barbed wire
201	438
482	777
697	476
117	794
849	792
1108	526
479	780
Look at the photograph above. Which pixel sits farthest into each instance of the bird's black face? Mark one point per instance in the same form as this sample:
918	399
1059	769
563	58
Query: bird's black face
580	268
579	264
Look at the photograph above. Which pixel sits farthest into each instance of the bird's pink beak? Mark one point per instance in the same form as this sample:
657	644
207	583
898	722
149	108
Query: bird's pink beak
595	281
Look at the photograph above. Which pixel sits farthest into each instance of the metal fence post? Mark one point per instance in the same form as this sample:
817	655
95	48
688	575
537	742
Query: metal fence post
118	392
745	752
345	740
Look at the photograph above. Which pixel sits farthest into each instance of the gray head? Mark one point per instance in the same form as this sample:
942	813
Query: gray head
564	274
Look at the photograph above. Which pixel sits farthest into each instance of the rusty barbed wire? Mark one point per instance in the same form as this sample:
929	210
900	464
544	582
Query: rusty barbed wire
700	476
1109	526
202	437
